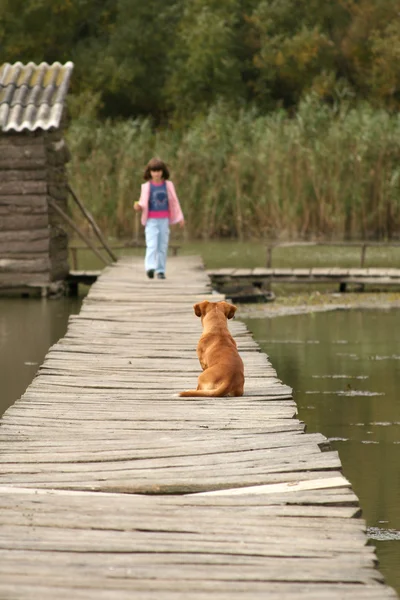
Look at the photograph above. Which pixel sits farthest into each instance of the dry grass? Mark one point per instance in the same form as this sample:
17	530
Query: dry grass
325	173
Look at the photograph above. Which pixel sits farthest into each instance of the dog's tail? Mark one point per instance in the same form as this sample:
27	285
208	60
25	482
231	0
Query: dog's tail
218	392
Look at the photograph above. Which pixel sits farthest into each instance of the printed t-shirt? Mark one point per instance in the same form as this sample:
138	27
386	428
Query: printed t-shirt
158	201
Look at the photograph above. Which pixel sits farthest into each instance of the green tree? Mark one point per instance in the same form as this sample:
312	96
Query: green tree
177	59
135	67
51	30
211	59
59	30
331	48
371	50
298	52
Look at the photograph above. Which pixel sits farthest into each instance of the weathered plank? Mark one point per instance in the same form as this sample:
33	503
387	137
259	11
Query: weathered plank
21	187
24	236
16	280
29	150
22	175
38	264
13	222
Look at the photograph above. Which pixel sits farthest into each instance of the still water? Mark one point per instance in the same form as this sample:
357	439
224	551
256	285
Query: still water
344	368
28	327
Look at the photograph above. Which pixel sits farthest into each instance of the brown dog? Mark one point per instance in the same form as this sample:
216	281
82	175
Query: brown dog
223	371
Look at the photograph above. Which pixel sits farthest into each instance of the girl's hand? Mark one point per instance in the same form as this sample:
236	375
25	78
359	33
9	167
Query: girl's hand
181	224
136	205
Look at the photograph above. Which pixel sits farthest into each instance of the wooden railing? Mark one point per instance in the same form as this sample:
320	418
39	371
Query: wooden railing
174	248
362	244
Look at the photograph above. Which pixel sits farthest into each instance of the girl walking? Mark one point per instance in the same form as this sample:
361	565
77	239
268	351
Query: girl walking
160	208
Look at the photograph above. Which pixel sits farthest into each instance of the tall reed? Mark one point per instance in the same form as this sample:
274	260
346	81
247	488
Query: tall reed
323	173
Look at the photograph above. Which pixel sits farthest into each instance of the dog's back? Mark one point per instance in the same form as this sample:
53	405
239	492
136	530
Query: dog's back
223	370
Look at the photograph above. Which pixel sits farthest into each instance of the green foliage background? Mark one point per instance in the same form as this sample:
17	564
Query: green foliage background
173	60
278	118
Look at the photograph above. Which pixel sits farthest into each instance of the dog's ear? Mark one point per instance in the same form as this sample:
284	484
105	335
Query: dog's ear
200	308
229	310
197	309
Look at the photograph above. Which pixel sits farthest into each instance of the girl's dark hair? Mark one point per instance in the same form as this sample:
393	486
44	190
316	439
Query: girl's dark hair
156	164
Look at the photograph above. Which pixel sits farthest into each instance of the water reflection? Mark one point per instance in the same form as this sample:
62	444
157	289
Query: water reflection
351	397
28	327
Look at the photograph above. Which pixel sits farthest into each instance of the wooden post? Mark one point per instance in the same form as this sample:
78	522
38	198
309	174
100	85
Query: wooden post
363	252
269	255
136	227
74	254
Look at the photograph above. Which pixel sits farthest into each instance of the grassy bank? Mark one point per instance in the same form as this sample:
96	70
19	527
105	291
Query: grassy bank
326	172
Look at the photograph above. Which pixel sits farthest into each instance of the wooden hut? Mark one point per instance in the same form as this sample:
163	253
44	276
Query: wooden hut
33	182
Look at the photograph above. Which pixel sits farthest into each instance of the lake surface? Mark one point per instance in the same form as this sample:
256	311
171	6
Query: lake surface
344	368
28	327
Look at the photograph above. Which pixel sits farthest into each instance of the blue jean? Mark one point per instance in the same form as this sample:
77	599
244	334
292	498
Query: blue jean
157	236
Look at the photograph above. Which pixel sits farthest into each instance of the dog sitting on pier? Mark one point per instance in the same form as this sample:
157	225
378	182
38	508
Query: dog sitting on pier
223	371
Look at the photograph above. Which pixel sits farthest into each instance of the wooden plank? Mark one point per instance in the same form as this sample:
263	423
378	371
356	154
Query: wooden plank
22	203
301	272
39	264
13	222
261	271
27	150
22	175
23	250
285	487
337	272
29	163
22	187
16	280
24	236
283	272
178	590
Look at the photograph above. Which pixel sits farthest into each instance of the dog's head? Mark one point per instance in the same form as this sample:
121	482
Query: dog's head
201	309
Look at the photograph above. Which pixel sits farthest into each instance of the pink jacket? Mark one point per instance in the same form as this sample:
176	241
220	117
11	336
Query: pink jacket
175	211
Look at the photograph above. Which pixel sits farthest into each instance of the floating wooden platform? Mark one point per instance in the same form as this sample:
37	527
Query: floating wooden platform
113	487
76	277
258	277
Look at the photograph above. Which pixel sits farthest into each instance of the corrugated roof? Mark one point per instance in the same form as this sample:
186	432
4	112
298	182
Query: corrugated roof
33	96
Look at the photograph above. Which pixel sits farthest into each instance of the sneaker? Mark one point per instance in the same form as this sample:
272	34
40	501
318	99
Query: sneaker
150	273
161	275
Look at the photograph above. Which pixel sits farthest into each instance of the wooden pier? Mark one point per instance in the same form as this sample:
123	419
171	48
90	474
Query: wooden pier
112	487
259	277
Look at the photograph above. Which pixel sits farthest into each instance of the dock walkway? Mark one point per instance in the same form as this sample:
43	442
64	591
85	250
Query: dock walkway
112	487
259	277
